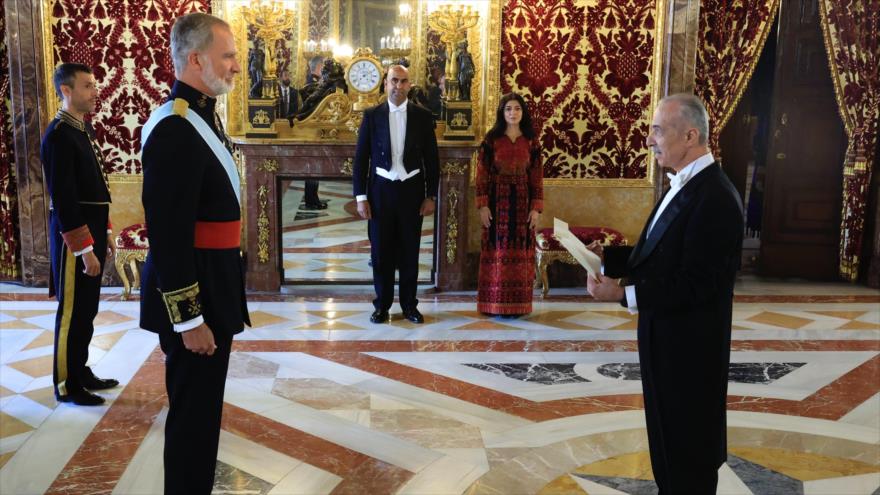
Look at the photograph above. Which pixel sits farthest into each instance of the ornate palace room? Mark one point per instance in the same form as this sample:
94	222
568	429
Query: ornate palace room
326	392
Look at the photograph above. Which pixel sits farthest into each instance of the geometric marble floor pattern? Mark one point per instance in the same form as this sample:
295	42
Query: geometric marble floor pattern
331	245
319	400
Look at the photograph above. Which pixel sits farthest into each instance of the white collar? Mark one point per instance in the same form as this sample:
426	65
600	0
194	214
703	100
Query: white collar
693	168
397	108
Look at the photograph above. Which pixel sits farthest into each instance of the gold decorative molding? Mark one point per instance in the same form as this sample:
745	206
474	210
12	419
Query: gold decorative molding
268	165
493	66
453	168
263	225
348	167
451	225
125	178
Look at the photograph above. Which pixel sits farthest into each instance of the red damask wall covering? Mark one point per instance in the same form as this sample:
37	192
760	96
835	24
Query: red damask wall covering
8	198
584	67
126	44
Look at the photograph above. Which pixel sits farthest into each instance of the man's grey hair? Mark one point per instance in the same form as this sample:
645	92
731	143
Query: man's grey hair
692	112
192	33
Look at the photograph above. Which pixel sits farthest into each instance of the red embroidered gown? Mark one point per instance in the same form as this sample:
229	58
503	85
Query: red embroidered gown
510	183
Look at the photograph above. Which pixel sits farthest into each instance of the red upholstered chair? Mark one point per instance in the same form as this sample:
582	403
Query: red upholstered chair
548	249
132	247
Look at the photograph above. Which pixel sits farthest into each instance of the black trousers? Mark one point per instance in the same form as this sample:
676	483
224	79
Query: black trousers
395	234
195	385
78	296
311	196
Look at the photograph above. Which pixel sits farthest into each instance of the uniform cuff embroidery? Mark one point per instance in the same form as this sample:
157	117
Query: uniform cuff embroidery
78	238
183	304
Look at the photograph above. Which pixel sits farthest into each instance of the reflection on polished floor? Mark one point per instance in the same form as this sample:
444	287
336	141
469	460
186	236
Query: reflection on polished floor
319	400
331	245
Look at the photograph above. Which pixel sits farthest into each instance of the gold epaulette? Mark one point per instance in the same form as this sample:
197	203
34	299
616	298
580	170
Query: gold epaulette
180	106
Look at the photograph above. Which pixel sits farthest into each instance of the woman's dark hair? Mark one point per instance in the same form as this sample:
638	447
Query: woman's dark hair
525	125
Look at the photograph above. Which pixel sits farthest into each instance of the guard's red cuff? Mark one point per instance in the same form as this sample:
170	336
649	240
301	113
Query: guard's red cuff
482	201
109	224
78	238
537	205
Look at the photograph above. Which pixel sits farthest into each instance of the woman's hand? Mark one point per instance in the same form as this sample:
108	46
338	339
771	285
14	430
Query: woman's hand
534	216
485	217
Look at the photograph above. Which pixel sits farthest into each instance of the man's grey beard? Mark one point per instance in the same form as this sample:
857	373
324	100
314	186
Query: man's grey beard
216	84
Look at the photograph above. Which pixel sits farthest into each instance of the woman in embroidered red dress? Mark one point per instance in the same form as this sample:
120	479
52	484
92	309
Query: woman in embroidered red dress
510	197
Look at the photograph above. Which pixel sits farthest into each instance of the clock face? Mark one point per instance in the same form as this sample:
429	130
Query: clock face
364	76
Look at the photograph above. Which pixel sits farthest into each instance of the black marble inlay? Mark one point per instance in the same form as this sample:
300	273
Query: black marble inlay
544	373
621	371
760	373
308	215
228	479
629	486
760	479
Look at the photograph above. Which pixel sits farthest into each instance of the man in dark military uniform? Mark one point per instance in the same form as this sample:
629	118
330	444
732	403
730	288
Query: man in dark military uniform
80	236
193	294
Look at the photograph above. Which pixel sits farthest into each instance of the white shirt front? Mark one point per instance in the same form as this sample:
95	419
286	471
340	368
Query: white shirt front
676	183
397	129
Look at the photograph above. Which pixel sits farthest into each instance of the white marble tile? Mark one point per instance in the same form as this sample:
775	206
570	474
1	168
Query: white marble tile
26	410
13	341
798	424
306	479
12	443
447	475
353	436
594	488
557	430
253	458
865	414
145	473
729	483
38	462
356	416
484	418
864	484
13	379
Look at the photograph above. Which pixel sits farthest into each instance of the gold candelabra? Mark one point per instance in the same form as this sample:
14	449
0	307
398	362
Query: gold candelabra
452	22
270	19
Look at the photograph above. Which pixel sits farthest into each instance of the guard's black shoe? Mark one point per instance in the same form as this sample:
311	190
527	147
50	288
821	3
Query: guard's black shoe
82	398
413	315
312	207
95	383
379	316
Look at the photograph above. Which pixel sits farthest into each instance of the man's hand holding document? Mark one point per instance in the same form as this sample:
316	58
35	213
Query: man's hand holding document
587	258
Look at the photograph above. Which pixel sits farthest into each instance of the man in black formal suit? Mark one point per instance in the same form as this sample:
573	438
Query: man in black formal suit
679	277
288	98
193	280
80	234
396	174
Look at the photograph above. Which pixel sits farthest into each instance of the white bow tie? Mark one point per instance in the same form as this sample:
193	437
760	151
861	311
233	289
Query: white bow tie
398	109
675	180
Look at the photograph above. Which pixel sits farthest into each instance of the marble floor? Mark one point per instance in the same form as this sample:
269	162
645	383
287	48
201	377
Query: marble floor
321	401
331	245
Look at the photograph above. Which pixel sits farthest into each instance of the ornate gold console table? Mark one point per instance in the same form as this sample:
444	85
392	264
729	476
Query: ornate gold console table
267	162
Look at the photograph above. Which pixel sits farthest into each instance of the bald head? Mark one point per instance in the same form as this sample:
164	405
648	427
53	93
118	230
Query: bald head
397	84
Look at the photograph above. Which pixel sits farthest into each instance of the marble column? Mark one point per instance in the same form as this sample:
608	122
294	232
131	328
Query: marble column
25	41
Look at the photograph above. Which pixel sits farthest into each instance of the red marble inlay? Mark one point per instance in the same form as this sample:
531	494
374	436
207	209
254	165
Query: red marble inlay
361	473
103	456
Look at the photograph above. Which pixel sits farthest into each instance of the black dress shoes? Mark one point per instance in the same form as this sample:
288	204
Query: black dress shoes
413	315
92	382
82	398
379	316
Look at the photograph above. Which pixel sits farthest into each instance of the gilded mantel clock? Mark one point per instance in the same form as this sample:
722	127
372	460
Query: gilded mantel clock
364	76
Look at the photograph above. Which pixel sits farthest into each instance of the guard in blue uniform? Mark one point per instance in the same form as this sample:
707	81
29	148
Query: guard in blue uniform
79	232
193	280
